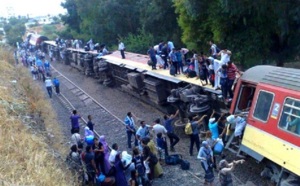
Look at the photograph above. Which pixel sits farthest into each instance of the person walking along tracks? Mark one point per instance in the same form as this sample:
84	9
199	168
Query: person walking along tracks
56	85
74	121
49	85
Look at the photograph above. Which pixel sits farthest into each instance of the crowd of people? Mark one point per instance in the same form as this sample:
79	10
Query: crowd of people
149	149
217	69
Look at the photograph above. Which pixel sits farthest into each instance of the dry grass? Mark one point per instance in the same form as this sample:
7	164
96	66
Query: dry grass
25	147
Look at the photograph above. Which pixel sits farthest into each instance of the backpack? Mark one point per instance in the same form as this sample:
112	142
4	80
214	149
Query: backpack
173	159
185	165
188	129
172	70
191	74
153	159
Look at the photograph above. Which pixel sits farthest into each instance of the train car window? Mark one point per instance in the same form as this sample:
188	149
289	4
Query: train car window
263	105
290	116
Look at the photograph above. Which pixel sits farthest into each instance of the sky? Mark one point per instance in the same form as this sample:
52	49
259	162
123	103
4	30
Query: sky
31	7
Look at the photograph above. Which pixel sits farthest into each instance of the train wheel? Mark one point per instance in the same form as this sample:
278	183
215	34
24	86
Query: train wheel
272	171
289	179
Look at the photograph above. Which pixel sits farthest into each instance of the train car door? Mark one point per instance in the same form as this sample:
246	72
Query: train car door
245	94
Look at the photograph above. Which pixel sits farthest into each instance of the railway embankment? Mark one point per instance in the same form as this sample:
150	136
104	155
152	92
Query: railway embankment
31	146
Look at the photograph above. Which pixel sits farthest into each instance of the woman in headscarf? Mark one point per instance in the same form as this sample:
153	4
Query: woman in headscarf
158	171
206	156
88	136
120	176
106	153
226	168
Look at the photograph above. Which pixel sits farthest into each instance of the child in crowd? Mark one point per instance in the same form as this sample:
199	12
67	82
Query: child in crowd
139	166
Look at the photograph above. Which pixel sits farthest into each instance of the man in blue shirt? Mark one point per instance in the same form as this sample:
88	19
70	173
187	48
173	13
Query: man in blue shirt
152	55
130	129
56	85
174	139
194	137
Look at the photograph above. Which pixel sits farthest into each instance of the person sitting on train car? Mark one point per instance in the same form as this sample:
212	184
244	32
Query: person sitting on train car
226	169
232	70
160	61
194	137
295	122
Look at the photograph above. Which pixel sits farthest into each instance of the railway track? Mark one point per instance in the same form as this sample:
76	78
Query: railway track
80	94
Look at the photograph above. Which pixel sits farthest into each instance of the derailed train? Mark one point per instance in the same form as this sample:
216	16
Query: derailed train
270	94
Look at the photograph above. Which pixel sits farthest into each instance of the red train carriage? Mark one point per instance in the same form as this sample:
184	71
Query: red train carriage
272	132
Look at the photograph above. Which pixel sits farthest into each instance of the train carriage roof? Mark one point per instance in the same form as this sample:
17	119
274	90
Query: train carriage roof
278	76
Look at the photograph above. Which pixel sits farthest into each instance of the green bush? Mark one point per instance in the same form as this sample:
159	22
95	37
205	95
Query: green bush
138	43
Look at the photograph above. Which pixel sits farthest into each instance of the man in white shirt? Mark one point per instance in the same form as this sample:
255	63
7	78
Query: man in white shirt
113	153
158	128
225	56
216	66
122	49
213	49
49	85
76	138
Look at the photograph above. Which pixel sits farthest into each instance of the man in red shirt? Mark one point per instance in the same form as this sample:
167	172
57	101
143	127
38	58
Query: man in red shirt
231	75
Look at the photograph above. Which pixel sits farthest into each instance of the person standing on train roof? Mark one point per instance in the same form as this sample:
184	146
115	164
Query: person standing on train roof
225	56
232	70
130	129
74	121
122	48
216	65
164	55
151	53
213	49
170	46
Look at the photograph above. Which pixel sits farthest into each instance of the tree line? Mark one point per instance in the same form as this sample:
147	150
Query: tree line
257	32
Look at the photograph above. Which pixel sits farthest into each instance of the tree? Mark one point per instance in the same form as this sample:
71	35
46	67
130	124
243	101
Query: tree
72	18
14	30
254	30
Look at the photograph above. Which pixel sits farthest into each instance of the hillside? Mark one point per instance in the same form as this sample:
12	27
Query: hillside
30	138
